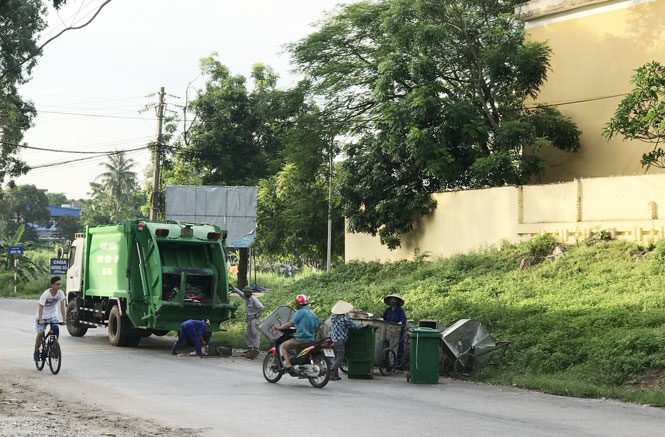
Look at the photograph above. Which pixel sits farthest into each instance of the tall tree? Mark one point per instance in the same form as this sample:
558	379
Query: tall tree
24	205
237	136
56	199
641	114
67	226
293	205
271	137
20	23
434	94
116	196
119	180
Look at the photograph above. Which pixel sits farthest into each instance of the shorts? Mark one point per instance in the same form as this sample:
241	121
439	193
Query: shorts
293	343
42	328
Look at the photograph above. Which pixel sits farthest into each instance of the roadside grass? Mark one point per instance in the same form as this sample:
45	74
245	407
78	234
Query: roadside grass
37	281
589	324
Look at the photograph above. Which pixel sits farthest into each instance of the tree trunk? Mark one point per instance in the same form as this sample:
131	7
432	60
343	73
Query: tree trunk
243	257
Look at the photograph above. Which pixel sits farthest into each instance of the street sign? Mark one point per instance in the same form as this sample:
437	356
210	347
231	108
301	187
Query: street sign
58	266
15	250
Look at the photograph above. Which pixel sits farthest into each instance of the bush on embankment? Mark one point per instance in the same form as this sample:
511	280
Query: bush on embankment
589	323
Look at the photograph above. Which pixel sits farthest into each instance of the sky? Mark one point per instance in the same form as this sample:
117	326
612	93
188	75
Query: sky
90	84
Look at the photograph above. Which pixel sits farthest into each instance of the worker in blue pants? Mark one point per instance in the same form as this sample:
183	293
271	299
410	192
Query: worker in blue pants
194	331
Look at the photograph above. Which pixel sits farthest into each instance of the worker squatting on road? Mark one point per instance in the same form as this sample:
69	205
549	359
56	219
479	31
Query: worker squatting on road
194	331
254	312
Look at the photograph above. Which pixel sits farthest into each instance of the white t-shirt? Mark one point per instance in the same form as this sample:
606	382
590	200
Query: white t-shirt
50	303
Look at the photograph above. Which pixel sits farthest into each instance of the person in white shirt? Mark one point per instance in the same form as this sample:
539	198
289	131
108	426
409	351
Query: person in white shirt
48	311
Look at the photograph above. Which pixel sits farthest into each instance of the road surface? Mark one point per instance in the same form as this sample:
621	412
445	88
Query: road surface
228	396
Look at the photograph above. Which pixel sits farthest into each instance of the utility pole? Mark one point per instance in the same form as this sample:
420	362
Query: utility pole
330	175
154	202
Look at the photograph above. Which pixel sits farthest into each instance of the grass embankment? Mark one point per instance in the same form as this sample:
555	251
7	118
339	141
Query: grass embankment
35	281
588	324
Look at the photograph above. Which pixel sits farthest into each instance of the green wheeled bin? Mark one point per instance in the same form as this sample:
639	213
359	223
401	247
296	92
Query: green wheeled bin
424	356
359	350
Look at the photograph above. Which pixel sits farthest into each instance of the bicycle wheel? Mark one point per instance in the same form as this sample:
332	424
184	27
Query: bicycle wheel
465	365
388	362
42	357
54	357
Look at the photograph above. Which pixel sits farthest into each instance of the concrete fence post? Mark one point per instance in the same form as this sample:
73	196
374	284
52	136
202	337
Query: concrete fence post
579	200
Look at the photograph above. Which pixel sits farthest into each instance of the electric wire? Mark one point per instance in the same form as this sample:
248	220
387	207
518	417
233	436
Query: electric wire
101	155
45	149
571	102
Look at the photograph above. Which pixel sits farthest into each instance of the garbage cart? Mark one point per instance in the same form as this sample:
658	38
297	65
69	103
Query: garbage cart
280	316
470	346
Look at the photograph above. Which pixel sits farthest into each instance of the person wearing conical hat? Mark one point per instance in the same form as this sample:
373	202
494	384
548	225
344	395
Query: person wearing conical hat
394	313
339	333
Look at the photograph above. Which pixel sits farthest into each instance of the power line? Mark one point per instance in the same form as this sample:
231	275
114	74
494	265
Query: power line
94	115
44	149
54	164
95	101
571	102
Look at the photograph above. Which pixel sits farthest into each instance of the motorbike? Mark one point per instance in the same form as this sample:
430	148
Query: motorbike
311	360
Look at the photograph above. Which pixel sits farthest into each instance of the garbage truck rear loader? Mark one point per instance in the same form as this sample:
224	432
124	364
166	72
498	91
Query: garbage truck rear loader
140	278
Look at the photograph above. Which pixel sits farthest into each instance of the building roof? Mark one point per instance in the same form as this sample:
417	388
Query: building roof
245	241
59	211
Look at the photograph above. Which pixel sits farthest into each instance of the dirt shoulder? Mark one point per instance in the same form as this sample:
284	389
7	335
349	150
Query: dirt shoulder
26	410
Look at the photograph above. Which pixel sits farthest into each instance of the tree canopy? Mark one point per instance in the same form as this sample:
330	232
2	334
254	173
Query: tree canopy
433	93
24	204
20	23
641	114
256	133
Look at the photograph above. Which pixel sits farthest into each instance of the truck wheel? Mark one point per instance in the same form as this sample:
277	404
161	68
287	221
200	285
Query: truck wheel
119	327
74	328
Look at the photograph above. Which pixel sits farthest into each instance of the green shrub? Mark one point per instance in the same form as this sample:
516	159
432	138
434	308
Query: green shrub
541	246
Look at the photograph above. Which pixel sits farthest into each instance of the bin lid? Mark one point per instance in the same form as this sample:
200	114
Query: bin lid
424	332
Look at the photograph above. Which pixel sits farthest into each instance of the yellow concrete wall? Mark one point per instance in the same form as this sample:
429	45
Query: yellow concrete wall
631	207
595	51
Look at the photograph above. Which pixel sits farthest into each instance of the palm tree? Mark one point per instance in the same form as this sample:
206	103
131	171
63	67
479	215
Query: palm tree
118	181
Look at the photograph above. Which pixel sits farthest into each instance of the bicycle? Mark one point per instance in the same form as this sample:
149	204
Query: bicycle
389	359
50	351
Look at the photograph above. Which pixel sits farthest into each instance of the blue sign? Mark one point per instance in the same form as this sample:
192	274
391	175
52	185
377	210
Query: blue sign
15	250
59	266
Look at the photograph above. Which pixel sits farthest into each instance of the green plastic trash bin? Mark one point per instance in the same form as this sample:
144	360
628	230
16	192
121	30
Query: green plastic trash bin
424	355
359	350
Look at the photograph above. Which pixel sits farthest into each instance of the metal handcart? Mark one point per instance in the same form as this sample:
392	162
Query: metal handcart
469	346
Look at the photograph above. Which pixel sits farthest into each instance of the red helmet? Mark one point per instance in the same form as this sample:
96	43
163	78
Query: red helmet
301	299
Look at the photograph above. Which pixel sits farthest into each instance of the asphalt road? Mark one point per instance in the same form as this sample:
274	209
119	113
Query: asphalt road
228	396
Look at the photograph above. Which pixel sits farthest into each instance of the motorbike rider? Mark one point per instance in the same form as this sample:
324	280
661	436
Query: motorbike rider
305	322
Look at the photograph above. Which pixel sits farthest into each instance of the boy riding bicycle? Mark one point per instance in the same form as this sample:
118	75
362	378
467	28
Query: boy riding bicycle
48	311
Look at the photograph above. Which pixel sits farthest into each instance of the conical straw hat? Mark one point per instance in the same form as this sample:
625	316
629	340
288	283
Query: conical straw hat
341	307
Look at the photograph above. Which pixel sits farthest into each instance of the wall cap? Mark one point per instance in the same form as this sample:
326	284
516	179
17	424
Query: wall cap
542	8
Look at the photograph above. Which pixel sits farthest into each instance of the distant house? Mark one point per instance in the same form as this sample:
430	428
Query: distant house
47	233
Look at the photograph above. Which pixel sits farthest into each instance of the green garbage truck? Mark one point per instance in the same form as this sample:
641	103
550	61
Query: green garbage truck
140	278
